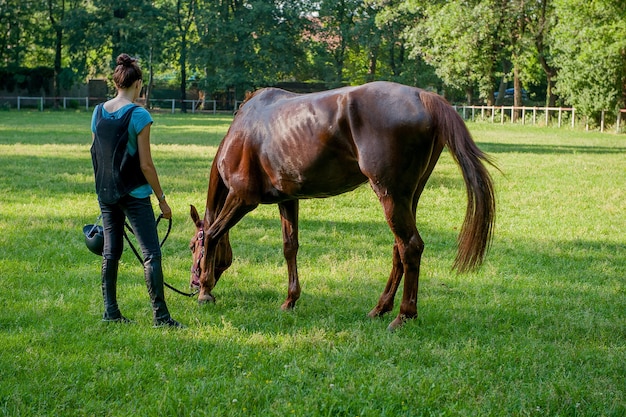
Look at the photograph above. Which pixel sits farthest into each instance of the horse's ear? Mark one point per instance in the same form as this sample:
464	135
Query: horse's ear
194	215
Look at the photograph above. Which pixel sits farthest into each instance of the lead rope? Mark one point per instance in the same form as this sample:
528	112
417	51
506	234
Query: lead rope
130	243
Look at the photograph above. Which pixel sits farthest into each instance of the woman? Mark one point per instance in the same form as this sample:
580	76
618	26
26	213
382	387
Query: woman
125	178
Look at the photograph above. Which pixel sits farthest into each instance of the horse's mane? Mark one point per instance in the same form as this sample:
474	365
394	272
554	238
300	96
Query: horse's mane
250	94
273	94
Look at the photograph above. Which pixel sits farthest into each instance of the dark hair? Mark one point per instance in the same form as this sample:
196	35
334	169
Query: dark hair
126	72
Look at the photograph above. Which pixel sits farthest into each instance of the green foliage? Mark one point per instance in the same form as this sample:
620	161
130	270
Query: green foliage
592	76
33	80
538	331
466	48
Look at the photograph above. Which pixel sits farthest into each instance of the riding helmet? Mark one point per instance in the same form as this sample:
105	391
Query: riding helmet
94	238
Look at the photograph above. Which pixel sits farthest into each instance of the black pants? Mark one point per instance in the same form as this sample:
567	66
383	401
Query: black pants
140	215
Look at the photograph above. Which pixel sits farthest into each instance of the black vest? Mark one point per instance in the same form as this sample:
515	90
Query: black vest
117	172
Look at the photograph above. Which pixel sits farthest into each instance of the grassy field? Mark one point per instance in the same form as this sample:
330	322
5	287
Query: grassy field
540	330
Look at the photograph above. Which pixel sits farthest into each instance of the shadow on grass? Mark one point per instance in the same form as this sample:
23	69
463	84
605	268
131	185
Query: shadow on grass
491	147
58	174
545	289
536	284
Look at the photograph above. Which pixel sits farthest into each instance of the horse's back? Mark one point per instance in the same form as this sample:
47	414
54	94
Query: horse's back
326	143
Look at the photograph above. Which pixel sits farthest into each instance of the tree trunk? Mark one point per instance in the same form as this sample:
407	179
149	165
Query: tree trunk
57	66
623	101
58	50
543	51
469	95
517	92
183	74
373	55
550	96
150	79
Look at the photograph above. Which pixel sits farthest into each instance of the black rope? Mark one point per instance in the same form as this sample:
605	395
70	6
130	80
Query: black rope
130	243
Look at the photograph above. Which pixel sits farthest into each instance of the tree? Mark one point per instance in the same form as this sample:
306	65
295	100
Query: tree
395	19
337	29
541	26
244	45
182	18
364	51
19	32
462	41
56	13
590	47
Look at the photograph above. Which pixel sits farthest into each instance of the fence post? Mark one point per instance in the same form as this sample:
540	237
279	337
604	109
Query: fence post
573	116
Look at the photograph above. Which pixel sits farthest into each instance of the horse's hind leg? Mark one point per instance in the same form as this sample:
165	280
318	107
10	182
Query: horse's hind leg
385	302
415	247
289	221
409	247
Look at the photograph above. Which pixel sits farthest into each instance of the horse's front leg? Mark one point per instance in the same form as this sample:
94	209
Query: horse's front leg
289	222
232	211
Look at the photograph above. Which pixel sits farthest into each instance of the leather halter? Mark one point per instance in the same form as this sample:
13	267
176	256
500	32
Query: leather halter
196	269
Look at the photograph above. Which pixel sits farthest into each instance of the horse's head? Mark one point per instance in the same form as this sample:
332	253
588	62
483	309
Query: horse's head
223	253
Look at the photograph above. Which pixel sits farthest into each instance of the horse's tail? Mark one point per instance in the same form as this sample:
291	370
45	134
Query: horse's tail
476	232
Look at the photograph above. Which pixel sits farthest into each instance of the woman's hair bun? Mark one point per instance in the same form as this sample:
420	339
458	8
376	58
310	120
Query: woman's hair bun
125	60
126	72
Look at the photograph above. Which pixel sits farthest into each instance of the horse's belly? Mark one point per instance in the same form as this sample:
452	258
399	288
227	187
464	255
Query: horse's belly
330	187
317	181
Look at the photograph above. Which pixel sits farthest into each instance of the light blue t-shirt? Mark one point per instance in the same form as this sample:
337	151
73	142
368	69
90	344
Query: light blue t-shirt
140	119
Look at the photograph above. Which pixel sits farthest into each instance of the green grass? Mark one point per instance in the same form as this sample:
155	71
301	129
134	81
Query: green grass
540	330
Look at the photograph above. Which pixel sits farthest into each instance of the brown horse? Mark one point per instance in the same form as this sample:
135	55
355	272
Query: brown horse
282	147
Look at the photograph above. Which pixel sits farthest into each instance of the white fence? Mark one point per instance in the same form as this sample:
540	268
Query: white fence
21	102
172	103
514	114
500	114
534	115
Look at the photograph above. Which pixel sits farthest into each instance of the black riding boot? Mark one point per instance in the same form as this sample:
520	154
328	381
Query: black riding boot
153	274
109	291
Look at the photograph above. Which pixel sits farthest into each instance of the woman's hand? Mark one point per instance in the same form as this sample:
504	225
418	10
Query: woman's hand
165	209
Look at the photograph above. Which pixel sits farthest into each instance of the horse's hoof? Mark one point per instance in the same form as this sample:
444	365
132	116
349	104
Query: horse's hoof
288	306
374	313
206	299
377	312
398	322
